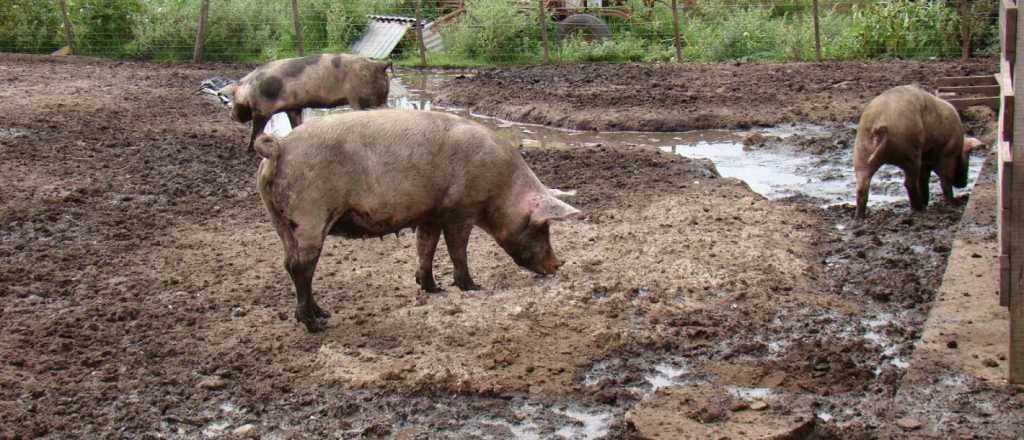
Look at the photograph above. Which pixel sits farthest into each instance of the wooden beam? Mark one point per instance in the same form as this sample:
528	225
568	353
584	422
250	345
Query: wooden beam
542	22
300	45
1009	39
983	80
817	31
1016	222
676	38
419	32
200	47
962	103
977	90
69	29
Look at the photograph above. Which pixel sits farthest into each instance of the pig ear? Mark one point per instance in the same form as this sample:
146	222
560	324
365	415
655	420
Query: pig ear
557	193
549	208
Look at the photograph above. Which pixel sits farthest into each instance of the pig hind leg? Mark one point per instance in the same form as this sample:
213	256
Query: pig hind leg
924	180
863	185
427	236
912	182
456	238
303	254
259	122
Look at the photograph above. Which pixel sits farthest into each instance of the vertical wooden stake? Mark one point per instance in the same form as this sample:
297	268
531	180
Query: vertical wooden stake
419	33
299	44
543	23
204	13
817	31
675	30
69	31
1016	224
965	30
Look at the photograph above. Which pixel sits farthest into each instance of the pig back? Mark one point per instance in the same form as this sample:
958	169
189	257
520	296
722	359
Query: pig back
396	166
916	123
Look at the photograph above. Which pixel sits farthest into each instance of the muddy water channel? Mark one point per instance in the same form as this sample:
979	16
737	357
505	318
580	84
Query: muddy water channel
850	362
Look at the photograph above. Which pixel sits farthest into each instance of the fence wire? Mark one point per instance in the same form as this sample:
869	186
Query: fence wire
511	31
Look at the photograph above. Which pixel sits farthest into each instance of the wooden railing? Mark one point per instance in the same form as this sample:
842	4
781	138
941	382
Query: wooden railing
1010	142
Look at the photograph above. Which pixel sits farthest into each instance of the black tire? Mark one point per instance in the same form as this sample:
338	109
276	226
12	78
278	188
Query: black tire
590	27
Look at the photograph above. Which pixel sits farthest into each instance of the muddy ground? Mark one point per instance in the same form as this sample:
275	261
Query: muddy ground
143	294
671	97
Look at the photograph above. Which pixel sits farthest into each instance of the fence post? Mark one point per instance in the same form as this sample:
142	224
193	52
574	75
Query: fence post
69	31
419	33
299	44
965	30
675	31
543	22
197	51
1016	217
817	31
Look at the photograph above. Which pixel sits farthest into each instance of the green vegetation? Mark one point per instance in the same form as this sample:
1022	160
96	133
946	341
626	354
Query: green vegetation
501	32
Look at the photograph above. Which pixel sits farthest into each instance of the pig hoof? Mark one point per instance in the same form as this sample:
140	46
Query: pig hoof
467	286
320	313
427	283
314	323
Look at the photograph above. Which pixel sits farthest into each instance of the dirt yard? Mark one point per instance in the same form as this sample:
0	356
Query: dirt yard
144	294
668	97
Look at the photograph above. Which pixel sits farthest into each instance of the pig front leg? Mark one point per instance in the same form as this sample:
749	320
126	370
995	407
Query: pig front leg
456	237
426	243
259	122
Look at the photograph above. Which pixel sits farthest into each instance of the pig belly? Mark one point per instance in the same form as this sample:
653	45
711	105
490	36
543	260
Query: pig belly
357	225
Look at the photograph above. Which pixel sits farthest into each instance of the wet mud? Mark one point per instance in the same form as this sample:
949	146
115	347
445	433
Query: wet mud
670	97
143	294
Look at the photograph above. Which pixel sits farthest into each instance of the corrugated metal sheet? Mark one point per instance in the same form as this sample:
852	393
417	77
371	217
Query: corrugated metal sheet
382	36
432	38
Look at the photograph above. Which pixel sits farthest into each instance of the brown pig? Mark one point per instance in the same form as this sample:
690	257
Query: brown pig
318	81
918	132
368	174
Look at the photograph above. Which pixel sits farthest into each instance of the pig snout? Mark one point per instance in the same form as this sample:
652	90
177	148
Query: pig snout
548	267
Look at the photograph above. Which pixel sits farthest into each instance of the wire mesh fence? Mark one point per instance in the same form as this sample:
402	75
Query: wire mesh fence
473	32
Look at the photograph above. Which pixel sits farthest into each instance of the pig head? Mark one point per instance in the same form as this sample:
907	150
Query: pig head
368	174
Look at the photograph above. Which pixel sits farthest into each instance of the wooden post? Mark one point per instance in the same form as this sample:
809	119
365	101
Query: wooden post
299	44
1016	224
542	21
419	33
69	30
675	31
965	30
817	31
204	13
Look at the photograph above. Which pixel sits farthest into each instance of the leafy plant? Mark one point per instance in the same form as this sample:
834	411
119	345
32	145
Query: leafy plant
29	26
492	30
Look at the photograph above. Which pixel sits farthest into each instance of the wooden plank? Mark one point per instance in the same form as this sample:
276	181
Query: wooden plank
1016	224
981	80
1010	30
992	90
1004	166
1006	121
962	103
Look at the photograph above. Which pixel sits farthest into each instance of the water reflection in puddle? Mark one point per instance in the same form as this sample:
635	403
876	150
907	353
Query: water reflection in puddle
775	174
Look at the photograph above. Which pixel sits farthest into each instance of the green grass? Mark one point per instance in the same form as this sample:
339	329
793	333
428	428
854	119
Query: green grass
496	32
